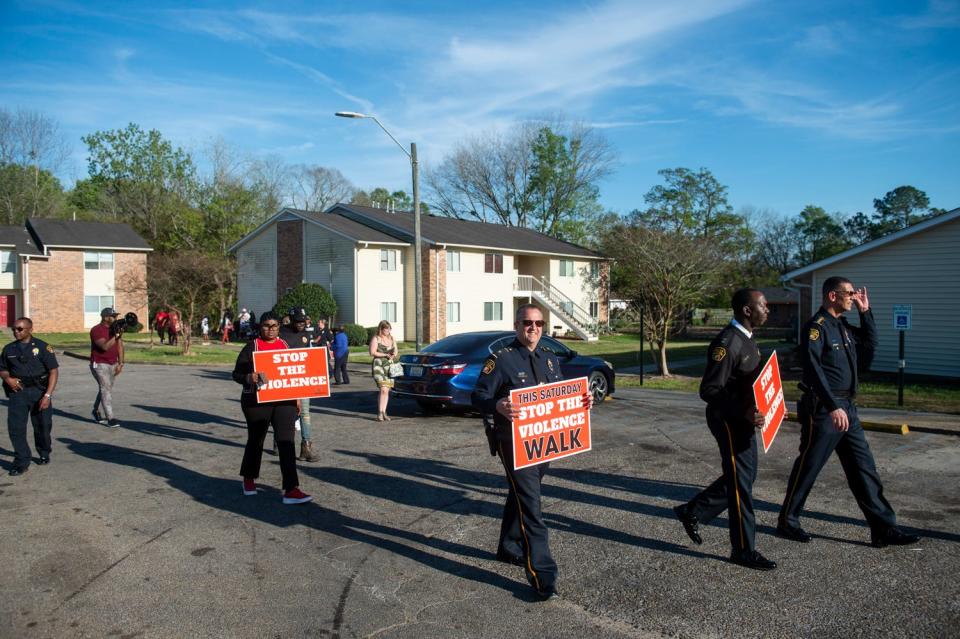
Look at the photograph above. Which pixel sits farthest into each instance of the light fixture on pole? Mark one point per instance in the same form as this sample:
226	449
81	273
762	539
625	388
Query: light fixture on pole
415	168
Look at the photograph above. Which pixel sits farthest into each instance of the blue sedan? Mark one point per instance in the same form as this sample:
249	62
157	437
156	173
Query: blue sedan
445	373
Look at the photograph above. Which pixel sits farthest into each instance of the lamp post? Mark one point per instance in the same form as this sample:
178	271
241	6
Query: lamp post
415	168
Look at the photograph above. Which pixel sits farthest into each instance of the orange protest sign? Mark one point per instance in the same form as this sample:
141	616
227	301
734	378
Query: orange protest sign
293	373
768	393
553	423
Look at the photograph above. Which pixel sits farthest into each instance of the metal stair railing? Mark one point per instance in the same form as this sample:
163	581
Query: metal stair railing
569	311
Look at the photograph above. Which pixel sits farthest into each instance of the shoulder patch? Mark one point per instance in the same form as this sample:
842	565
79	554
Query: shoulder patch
718	353
49	348
489	365
814	334
821	320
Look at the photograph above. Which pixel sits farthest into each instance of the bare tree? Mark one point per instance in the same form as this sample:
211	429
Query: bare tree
776	244
317	188
270	177
32	150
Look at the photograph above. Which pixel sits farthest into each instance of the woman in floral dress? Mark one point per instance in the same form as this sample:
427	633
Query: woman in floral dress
383	350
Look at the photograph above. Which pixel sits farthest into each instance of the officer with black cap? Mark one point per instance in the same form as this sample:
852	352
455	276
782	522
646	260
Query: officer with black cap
832	352
523	533
29	372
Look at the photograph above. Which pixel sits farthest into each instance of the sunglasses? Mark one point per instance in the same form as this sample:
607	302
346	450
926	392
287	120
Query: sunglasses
845	293
270	326
529	323
18	329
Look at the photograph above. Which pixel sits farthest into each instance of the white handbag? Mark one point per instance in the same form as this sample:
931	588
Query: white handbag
396	369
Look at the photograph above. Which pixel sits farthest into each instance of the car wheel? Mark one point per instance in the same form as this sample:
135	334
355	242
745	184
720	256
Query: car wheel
599	386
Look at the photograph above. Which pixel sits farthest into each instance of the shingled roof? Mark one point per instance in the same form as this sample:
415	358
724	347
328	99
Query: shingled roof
84	234
453	232
18	238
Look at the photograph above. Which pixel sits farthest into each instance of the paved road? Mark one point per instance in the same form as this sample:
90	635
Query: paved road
142	531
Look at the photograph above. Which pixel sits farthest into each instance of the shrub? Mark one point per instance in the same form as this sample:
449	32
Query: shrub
371	331
356	334
318	302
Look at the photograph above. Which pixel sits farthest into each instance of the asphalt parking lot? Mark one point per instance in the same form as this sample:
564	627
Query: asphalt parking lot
142	531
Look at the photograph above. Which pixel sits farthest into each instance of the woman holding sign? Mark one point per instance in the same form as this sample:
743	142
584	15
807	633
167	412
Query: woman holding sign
281	415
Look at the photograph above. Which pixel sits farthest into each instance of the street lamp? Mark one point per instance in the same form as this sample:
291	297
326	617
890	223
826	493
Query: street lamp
412	155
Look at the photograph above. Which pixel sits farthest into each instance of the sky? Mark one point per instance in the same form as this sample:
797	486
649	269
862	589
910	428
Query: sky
788	103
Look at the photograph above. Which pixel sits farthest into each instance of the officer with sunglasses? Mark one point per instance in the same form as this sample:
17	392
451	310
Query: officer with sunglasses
29	372
523	533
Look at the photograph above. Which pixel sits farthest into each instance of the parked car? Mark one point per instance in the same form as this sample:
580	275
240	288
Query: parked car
445	373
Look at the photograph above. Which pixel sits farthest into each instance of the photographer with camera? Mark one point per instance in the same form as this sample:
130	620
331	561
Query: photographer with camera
106	361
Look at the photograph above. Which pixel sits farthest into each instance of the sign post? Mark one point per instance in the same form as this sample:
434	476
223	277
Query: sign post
902	322
768	394
293	373
554	422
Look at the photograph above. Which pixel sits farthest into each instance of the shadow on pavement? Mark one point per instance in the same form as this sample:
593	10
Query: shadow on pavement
192	416
173	432
225	495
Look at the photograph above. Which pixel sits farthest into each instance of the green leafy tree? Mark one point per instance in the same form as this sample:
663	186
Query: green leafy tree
382	197
229	210
29	191
819	235
318	302
902	207
146	181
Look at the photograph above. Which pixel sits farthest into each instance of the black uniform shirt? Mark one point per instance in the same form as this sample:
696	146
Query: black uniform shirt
324	337
733	364
832	350
295	338
515	366
26	361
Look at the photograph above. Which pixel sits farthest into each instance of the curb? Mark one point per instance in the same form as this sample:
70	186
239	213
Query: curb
896	429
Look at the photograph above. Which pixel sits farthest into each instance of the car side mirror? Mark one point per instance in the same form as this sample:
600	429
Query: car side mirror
571	354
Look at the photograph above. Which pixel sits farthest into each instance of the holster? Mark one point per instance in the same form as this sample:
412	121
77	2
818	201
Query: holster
489	429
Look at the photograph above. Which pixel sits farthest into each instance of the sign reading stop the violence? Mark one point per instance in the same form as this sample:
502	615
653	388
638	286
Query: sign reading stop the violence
768	393
553	423
295	373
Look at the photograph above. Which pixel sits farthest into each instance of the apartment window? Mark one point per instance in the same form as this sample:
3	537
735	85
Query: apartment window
8	262
93	261
493	263
388	311
492	311
566	268
594	269
96	303
453	312
594	310
388	260
453	261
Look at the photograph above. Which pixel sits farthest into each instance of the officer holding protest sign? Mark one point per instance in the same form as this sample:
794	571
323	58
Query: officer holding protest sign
733	363
523	533
832	350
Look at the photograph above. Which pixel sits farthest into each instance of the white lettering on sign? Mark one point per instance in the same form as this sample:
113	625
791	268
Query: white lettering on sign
536	410
284	357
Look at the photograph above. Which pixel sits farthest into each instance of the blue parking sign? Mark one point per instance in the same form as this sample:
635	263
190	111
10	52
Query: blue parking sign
902	316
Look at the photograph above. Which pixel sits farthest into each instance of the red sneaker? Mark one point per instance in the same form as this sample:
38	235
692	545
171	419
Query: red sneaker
296	496
249	487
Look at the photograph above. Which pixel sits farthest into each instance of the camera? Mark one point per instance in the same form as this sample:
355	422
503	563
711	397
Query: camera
128	321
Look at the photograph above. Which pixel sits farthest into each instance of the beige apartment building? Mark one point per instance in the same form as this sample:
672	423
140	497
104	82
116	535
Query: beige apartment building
474	274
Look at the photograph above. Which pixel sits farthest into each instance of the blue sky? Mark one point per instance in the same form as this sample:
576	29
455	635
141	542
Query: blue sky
788	103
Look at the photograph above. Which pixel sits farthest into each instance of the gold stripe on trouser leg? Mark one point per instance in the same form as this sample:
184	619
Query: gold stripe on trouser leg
803	456
736	489
523	530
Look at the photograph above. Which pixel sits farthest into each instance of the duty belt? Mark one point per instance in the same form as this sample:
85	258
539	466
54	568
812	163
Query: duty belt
33	381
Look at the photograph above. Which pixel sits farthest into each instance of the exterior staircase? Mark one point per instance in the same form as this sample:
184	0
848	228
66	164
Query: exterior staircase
559	304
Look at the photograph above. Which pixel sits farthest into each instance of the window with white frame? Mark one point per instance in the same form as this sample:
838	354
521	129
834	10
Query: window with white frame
566	268
388	311
493	263
97	261
96	303
8	262
594	269
492	311
453	261
453	312
388	260
594	310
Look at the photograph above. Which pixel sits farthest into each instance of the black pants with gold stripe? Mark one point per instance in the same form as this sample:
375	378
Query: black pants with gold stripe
732	491
523	532
818	439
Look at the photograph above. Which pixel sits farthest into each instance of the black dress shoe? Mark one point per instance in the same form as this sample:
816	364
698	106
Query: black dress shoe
892	536
17	471
752	559
43	460
690	523
509	558
547	593
793	533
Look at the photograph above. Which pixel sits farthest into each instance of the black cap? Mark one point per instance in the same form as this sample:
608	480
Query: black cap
108	312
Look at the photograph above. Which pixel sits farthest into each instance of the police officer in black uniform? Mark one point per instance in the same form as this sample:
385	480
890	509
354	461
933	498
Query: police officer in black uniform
733	364
523	533
29	372
832	350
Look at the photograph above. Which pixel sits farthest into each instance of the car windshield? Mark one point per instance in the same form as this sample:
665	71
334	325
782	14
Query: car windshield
457	344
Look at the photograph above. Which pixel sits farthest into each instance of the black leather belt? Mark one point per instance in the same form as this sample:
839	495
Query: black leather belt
33	381
841	394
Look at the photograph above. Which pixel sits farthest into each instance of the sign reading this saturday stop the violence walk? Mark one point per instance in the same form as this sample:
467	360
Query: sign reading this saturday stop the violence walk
768	393
553	423
295	373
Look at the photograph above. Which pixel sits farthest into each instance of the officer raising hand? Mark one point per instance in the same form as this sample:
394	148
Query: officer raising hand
29	372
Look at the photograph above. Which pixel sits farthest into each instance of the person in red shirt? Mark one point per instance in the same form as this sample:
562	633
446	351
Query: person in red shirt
281	415
106	363
160	323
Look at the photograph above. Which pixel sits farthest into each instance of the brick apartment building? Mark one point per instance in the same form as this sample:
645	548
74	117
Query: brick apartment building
61	273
